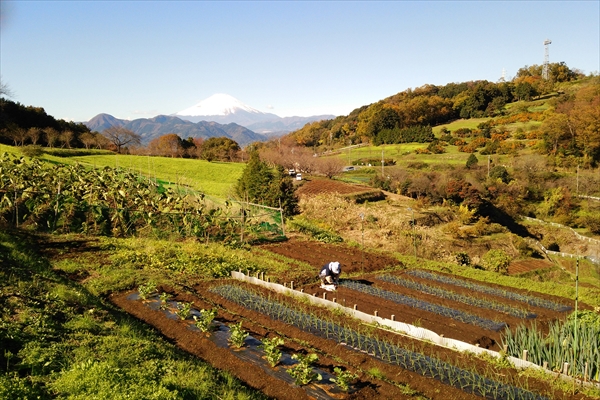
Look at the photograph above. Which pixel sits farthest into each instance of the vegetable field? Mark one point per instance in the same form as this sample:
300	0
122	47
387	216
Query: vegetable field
383	364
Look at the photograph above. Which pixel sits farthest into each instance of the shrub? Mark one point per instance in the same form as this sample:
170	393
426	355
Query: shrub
343	378
472	160
204	322
496	260
462	258
32	151
183	310
146	290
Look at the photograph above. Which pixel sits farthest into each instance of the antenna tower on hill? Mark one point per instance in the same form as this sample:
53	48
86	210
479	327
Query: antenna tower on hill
503	77
546	59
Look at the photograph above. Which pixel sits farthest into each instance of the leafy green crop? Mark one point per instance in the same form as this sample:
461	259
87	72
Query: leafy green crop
117	202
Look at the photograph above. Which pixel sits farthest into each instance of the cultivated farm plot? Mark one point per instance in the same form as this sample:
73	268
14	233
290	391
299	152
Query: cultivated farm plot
457	309
386	365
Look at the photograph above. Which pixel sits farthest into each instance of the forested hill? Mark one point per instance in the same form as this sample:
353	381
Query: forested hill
569	113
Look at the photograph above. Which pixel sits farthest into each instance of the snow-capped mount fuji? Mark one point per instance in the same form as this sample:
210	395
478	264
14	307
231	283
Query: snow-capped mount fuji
224	109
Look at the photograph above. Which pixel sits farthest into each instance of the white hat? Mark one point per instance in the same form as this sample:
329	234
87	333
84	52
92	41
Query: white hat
334	267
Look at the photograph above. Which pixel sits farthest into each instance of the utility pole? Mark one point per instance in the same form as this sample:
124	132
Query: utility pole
362	252
577	189
414	232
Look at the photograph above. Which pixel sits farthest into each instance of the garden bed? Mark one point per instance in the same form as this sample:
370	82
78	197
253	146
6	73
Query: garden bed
377	379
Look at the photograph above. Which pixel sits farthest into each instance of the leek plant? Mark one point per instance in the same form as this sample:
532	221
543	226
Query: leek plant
468	381
451	295
458	315
559	345
528	299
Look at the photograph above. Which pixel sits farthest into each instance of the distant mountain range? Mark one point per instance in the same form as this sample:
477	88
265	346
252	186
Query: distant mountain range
151	128
225	109
216	116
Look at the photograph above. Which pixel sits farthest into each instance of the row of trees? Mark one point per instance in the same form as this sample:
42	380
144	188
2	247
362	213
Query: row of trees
21	125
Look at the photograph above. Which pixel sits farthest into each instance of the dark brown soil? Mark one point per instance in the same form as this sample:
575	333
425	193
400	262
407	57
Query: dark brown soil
318	186
377	380
520	267
360	266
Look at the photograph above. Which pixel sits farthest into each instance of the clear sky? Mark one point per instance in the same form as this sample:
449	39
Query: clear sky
139	59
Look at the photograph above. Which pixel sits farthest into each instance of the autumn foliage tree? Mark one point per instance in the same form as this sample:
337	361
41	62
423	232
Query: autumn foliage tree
169	145
573	129
220	149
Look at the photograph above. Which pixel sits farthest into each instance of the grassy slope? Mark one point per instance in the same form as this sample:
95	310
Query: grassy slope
215	179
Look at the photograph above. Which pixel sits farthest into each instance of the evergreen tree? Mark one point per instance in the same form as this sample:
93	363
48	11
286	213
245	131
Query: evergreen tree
472	160
261	185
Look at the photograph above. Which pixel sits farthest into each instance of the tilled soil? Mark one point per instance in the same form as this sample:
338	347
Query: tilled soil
361	266
377	380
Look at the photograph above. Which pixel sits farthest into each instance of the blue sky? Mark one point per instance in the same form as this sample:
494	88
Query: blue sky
139	59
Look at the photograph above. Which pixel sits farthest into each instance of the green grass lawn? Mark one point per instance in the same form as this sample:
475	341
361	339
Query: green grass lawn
461	123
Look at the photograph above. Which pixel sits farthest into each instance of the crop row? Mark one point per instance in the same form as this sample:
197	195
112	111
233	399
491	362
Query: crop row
458	315
531	300
461	298
576	344
467	381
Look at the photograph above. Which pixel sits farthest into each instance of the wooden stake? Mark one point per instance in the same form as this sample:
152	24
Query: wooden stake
525	355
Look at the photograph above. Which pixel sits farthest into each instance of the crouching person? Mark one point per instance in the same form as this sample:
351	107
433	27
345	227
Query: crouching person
330	275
